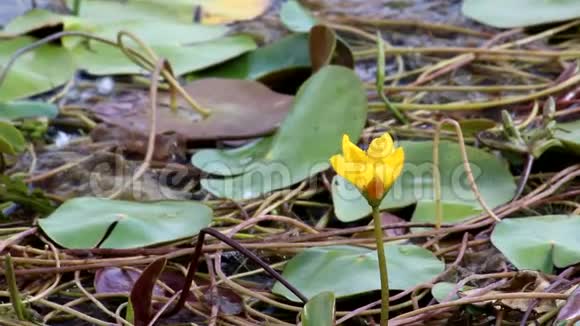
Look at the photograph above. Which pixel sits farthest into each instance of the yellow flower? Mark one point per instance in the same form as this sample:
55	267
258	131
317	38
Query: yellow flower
373	172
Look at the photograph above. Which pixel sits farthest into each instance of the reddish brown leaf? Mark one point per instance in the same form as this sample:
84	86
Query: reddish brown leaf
115	279
142	292
240	109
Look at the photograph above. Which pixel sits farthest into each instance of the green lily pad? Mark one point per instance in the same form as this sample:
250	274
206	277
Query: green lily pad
35	19
452	212
539	242
27	109
491	174
82	223
319	311
296	18
157	34
316	269
213	11
11	140
145	10
231	162
441	291
331	103
568	134
286	53
471	127
520	13
102	59
35	72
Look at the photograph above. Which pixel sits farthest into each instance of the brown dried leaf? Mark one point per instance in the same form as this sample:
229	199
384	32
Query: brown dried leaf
115	280
240	109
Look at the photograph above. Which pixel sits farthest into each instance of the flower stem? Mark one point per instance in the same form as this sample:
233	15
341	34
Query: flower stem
382	266
76	7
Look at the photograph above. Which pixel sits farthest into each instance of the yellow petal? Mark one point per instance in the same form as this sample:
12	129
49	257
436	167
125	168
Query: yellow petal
351	152
395	161
359	174
337	163
385	173
381	147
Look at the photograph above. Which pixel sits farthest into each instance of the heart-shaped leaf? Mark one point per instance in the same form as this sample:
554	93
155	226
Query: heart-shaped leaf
331	103
11	140
539	242
37	71
519	13
440	291
84	222
27	109
290	52
315	270
296	18
35	19
240	109
451	212
102	59
492	176
569	134
319	311
209	11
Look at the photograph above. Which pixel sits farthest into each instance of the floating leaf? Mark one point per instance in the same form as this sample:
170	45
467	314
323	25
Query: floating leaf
331	103
27	109
240	109
11	140
319	311
33	20
470	127
102	59
520	13
181	32
569	134
451	212
231	162
82	223
492	176
315	270
290	52
115	280
539	242
37	71
295	17
209	11
441	291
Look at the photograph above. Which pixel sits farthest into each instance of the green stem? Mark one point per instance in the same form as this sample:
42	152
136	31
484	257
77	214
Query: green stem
382	266
17	305
76	7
